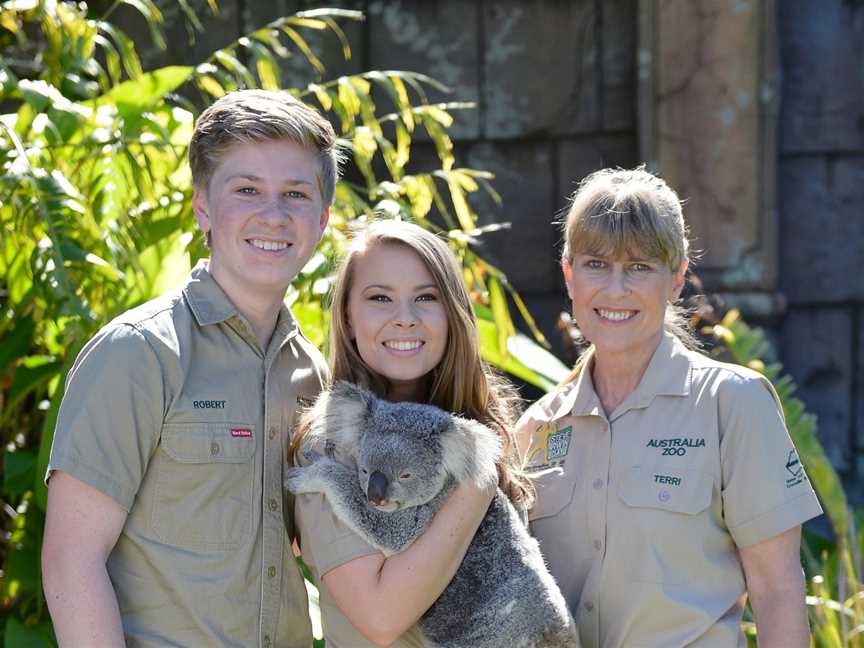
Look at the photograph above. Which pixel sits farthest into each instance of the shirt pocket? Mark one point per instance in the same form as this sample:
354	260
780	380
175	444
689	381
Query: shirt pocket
662	532
554	487
204	478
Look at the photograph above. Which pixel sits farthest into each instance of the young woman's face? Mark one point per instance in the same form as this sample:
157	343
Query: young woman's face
619	304
397	318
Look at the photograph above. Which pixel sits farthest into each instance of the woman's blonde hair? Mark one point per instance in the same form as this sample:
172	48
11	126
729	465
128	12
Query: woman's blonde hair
619	212
461	383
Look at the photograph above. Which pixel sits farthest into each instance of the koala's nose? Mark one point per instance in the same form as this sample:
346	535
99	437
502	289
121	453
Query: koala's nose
377	490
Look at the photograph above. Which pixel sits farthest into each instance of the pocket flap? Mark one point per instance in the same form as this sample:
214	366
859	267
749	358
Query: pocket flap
209	442
679	490
554	489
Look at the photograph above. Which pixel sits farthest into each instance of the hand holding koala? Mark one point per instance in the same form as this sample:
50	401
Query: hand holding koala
409	458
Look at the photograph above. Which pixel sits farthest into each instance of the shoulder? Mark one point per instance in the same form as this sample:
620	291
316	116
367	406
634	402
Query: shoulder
732	385
544	410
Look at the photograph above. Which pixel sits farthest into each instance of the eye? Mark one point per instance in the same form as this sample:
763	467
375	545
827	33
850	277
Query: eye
595	264
641	267
381	298
247	191
364	471
405	475
427	297
295	194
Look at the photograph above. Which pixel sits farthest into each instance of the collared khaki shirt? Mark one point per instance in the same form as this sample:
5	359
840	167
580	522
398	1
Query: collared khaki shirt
175	412
640	513
327	543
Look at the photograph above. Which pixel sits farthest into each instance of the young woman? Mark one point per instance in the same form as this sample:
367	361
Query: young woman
402	326
668	490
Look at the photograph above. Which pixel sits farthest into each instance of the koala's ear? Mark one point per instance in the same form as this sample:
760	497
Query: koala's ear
343	411
470	450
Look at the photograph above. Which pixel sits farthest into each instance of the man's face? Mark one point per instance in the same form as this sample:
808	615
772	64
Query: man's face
265	214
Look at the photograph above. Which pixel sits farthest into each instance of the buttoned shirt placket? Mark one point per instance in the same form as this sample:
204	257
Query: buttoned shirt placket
598	478
272	521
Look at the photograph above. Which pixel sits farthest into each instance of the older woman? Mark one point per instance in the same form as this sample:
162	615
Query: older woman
668	489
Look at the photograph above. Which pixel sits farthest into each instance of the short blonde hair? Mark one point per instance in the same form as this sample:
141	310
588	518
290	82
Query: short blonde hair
615	212
461	383
246	116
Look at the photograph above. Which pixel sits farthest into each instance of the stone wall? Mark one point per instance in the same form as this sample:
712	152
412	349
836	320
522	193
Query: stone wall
821	193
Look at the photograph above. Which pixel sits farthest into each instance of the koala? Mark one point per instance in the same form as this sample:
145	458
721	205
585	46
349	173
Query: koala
409	458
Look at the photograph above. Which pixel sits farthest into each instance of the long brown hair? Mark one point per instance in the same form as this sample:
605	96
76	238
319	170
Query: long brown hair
461	383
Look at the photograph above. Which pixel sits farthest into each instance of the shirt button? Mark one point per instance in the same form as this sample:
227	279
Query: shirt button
271	571
598	484
597	545
272	433
266	641
274	505
588	605
214	449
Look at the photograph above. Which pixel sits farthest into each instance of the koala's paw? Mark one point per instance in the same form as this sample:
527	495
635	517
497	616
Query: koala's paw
307	479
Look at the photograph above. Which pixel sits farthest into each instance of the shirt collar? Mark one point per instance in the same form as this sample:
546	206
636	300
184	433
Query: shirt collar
667	374
211	305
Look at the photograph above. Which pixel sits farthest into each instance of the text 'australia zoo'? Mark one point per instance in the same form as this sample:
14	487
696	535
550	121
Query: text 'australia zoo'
675	447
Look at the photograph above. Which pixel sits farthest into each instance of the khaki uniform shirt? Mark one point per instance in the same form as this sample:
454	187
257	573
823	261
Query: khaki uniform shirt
640	514
174	411
327	543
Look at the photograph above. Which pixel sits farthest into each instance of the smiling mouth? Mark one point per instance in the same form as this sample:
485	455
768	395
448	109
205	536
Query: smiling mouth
403	345
615	315
269	246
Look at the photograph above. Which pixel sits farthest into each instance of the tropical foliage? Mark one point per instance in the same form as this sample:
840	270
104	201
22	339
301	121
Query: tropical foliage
95	212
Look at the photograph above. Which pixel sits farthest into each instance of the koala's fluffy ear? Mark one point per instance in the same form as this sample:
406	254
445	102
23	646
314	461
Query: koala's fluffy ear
470	451
338	415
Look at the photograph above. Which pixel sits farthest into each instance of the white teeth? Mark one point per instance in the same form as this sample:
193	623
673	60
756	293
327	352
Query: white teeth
616	316
269	245
399	345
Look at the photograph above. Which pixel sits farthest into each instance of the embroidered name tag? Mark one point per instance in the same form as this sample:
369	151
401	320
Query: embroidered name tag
241	432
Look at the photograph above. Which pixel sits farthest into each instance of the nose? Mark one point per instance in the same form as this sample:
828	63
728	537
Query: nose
617	282
376	490
405	316
274	209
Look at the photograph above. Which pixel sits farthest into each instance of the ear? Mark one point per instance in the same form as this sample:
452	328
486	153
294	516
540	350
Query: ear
470	450
678	280
343	409
325	218
199	206
567	269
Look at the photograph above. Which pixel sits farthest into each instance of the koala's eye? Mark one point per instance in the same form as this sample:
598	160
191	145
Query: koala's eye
364	471
405	475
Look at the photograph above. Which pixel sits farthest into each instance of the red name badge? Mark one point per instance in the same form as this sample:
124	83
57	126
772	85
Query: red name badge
241	432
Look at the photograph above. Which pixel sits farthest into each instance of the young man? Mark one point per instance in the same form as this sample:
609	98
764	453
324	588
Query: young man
166	523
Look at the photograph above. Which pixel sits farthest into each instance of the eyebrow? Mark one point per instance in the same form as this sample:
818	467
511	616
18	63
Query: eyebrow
388	287
253	178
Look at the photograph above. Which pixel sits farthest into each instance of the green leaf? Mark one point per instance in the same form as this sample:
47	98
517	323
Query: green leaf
18	467
16	342
137	96
34	372
19	635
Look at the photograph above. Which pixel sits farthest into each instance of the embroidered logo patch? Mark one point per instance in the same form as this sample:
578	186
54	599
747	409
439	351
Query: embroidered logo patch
794	470
241	432
558	444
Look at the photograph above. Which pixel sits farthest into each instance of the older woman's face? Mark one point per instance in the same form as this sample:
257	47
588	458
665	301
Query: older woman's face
620	303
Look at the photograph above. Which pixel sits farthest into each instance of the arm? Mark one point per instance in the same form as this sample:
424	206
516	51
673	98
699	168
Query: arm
384	597
81	527
775	585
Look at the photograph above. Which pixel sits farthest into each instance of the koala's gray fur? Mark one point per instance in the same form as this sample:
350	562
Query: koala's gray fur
502	594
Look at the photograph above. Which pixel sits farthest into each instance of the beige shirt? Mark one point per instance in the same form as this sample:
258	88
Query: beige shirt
640	514
327	543
174	411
